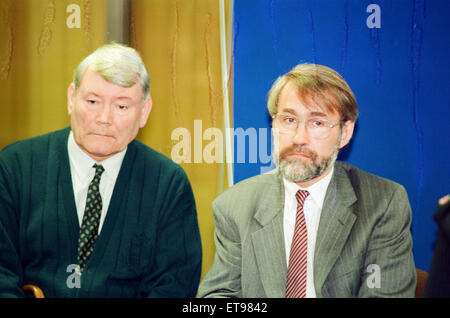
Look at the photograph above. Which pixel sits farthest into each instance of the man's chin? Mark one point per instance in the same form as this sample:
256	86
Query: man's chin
299	171
100	152
295	170
297	179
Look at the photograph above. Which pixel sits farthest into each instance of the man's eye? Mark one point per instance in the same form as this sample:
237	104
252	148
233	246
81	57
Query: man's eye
290	120
92	102
317	123
122	107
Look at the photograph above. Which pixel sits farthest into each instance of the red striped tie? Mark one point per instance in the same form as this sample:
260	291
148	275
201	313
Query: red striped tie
296	275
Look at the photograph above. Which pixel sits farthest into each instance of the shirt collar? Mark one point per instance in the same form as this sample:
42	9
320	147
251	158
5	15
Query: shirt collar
82	163
317	191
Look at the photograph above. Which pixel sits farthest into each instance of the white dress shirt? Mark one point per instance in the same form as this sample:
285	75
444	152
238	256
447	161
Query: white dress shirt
312	209
82	171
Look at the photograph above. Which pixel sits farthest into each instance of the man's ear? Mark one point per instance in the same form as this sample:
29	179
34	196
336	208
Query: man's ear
146	109
347	133
70	98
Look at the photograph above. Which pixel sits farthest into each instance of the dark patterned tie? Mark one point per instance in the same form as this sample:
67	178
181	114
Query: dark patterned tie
296	275
91	219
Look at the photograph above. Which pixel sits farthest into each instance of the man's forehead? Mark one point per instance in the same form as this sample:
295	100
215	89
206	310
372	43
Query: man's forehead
315	103
308	108
93	74
100	94
91	77
310	111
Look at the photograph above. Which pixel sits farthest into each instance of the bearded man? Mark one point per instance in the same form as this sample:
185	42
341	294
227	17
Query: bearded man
313	227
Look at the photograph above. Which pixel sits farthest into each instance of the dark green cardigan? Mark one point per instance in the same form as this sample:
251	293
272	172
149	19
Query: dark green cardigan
149	245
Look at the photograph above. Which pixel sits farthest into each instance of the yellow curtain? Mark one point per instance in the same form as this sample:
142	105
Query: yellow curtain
180	44
179	40
38	53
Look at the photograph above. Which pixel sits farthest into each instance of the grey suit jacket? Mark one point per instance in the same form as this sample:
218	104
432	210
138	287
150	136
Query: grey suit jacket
363	247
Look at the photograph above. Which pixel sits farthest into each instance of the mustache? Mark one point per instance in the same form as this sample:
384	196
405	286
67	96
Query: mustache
298	149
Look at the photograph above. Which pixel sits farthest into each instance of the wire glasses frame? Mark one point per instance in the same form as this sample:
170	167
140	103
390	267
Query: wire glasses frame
316	127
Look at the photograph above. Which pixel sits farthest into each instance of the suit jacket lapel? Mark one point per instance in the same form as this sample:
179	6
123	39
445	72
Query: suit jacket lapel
336	221
268	241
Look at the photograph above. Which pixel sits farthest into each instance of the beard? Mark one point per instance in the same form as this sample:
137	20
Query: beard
301	169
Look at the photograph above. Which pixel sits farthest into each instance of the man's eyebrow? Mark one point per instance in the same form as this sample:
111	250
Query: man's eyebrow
123	97
292	111
288	110
92	93
318	114
115	98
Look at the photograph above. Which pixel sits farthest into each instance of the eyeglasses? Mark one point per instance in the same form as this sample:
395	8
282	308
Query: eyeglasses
316	127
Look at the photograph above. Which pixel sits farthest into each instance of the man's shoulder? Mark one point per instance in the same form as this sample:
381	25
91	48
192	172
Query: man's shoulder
156	159
366	181
35	145
251	188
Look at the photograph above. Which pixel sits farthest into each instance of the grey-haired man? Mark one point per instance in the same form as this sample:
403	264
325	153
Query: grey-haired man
88	211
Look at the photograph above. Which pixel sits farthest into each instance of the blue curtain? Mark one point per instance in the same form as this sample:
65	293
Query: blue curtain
395	59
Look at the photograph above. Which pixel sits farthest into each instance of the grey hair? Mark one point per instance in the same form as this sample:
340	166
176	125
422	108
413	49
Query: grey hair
118	64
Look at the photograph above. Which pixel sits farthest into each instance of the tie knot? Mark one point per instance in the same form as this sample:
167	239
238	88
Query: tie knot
301	196
98	170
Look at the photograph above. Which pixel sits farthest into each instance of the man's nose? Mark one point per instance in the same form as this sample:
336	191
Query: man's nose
301	136
105	114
